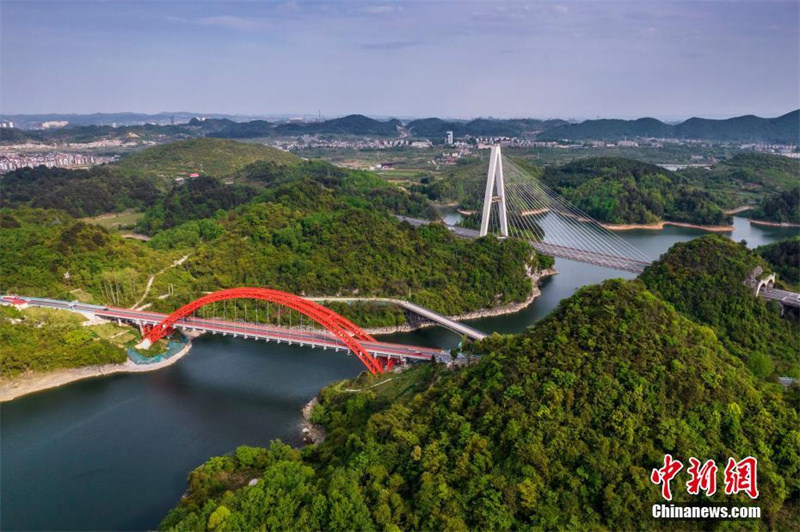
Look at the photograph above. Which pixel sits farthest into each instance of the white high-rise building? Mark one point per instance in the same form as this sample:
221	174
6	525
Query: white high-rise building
449	138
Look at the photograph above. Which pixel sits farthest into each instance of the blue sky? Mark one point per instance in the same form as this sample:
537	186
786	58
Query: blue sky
405	58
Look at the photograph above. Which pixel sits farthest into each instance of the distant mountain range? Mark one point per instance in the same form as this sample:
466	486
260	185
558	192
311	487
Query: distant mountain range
783	129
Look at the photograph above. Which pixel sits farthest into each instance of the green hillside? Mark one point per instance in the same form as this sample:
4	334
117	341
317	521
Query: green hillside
214	157
781	207
704	280
555	428
98	190
784	259
621	191
47	253
303	238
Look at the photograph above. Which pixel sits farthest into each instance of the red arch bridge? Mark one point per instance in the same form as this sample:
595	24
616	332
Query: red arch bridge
337	332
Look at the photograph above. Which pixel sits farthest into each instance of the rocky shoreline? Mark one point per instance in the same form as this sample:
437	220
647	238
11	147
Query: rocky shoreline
312	433
536	278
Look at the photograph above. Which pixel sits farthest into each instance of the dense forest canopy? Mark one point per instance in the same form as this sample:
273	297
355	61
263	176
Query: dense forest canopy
298	236
616	190
705	280
308	239
782	207
558	427
47	253
97	190
783	258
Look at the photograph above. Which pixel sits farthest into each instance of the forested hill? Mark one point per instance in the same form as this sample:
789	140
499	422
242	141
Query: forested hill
623	191
213	157
783	129
480	127
143	179
782	207
318	236
704	280
97	190
555	428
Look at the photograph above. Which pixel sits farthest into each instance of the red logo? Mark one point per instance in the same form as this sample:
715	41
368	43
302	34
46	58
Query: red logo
741	476
664	475
703	477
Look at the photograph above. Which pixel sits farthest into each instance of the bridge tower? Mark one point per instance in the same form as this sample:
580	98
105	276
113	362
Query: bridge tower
494	182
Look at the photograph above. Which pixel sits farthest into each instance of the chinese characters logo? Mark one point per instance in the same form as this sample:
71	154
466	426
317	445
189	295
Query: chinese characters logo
738	476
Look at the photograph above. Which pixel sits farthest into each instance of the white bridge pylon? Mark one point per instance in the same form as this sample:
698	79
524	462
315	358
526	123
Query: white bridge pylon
527	208
494	181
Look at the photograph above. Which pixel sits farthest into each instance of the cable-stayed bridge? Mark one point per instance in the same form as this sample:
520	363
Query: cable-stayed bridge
516	204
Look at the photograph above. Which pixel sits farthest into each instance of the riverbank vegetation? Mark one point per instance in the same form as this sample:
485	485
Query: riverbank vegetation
623	191
556	427
40	340
781	207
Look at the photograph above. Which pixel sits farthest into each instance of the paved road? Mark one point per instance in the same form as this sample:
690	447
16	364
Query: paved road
790	299
444	321
311	338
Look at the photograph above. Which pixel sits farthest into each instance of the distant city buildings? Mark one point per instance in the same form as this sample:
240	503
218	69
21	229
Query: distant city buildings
449	138
52	124
13	161
6	124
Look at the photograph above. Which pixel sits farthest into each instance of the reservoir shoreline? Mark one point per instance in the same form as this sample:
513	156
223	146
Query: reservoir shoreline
658	226
36	382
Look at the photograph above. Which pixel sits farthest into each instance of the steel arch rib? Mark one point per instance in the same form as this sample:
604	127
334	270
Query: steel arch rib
348	332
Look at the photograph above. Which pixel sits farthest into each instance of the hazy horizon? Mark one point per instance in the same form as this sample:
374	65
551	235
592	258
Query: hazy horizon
670	60
404	118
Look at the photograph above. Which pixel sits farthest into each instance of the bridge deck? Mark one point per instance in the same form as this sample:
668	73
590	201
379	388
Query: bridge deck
790	299
615	262
311	338
444	321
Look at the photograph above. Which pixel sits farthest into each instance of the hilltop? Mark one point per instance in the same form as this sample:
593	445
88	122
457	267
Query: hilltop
213	157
